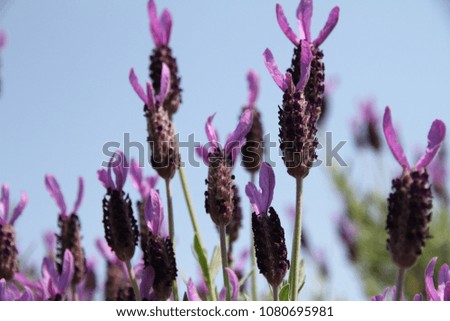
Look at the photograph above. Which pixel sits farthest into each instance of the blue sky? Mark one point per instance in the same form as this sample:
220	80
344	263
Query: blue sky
66	93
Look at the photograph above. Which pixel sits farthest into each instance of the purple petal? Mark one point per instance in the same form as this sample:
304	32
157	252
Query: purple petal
155	25
166	27
418	297
4	202
444	274
136	175
380	297
202	152
211	132
67	272
49	270
234	281
192	293
329	26
3	291
253	87
148	276
154	212
242	129
284	25
49	241
19	208
447	292
254	197
79	195
432	294
165	84
236	150
304	15
152	181
305	65
134	81
272	67
55	192
27	295
105	178
150	97
435	137
392	140
267	184
120	168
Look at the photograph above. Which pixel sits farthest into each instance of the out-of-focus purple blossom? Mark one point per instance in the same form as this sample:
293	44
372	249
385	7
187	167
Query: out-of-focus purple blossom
439	175
384	296
193	295
50	244
160	27
348	233
2	40
442	292
119	165
366	126
56	284
55	192
86	288
330	87
141	183
5	206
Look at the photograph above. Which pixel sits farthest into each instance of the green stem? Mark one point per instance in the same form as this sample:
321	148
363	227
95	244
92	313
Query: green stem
223	249
171	230
275	293
137	294
296	242
254	274
399	284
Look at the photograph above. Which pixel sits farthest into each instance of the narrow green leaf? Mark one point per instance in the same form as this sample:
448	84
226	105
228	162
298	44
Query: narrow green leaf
302	276
284	293
245	278
202	260
216	263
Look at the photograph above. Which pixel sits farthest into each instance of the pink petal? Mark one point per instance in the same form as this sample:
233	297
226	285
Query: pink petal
152	181
234	281
444	274
79	195
305	65
380	297
136	175
253	87
267	184
49	241
27	295
155	25
329	26
104	177
192	293
55	192
272	67
254	197
432	294
19	208
392	140
284	25
242	129
166	26
418	297
165	84
151	103
49	270
120	168
134	81
4	202
211	132
147	279
67	272
304	15
202	152
154	212
435	138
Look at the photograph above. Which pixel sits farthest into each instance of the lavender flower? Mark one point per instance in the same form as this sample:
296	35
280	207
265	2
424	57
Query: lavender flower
161	136
160	29
69	224
252	150
193	295
297	121
314	89
268	235
9	292
50	244
348	234
143	185
219	198
409	204
442	293
121	230
384	295
8	251
159	253
55	284
86	288
365	127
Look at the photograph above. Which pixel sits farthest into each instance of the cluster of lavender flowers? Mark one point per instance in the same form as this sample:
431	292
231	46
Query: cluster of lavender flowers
68	275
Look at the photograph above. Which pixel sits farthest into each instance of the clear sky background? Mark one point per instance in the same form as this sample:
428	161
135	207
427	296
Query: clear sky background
66	92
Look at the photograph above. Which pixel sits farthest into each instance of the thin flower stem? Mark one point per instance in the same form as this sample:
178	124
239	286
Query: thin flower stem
254	274
223	249
399	284
171	230
133	281
296	242
275	293
74	292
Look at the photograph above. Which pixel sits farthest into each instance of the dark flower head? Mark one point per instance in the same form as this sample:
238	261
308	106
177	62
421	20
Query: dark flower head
268	235
69	224
121	230
9	264
410	203
165	156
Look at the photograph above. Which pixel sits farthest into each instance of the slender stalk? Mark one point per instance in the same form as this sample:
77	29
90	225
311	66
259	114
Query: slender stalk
132	277
399	284
74	292
254	274
223	249
275	293
296	242
171	230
